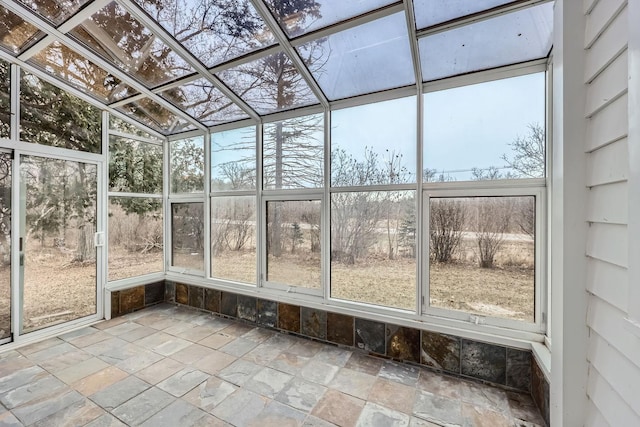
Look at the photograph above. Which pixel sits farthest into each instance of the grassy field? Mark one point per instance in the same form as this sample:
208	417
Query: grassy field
57	289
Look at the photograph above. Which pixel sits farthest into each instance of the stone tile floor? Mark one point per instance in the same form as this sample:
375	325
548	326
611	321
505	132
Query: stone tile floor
174	366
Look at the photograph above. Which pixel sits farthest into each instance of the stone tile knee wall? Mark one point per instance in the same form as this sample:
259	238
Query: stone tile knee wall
136	298
462	357
540	390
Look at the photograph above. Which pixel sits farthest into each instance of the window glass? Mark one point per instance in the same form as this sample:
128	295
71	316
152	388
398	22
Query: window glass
121	39
135	237
16	33
119	125
187	165
134	166
373	248
371	57
155	116
56	11
293	153
491	130
52	116
233	238
204	102
482	253
297	18
187	236
81	73
511	38
374	144
213	31
293	243
269	84
5	99
233	159
432	12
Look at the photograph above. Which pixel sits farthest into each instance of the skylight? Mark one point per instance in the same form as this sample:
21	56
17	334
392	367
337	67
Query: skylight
178	65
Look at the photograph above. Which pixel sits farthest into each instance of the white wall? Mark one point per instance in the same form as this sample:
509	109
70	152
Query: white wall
613	354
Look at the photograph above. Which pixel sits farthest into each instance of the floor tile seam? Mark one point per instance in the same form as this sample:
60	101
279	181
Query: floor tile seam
132	397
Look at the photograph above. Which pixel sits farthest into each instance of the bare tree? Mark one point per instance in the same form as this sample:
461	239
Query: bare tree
492	221
446	224
528	158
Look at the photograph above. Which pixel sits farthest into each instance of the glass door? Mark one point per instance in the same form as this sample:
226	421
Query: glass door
6	164
58	256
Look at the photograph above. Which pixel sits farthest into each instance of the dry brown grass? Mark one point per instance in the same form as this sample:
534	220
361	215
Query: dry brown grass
54	285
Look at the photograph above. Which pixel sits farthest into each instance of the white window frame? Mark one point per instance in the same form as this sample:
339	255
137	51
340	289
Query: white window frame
523	187
292	196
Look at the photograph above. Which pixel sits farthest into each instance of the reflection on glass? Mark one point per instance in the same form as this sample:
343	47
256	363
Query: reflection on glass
155	116
293	153
374	144
66	64
187	165
293	243
233	159
59	251
482	253
213	31
119	125
134	166
368	58
5	245
233	238
269	84
52	116
506	39
432	12
492	130
56	11
187	236
373	248
5	99
118	37
298	18
135	237
16	33
204	102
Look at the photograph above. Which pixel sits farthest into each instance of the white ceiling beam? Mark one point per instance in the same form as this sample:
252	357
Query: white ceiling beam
413	41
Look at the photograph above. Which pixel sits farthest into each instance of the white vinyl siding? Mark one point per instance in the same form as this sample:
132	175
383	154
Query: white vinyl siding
613	386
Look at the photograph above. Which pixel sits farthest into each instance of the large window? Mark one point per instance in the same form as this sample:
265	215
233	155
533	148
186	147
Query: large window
484	168
373	223
51	116
233	205
5	99
383	217
135	205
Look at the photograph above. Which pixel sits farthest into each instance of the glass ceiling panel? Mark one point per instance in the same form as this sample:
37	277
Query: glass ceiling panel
432	12
507	39
68	65
204	102
121	39
16	33
213	31
155	116
56	11
269	84
368	58
300	17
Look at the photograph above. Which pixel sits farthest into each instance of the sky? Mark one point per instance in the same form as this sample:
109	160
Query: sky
465	127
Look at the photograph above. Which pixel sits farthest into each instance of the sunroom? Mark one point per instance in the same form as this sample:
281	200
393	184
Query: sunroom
437	187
